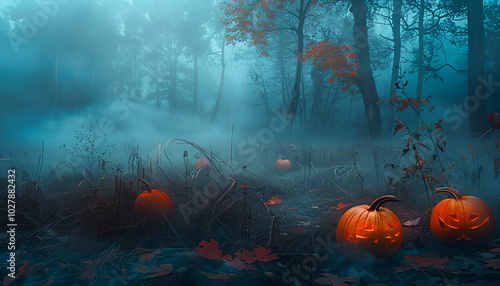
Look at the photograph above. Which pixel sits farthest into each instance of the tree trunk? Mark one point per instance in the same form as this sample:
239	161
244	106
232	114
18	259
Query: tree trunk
219	94
421	32
298	70
195	91
366	82
156	83
476	103
281	59
396	29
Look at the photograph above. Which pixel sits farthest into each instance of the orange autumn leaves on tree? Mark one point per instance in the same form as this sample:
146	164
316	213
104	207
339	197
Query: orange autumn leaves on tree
252	21
337	58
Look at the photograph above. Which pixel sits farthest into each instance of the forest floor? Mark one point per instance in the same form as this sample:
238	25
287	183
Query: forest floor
234	225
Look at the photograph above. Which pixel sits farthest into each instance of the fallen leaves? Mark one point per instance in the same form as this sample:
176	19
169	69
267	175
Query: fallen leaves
493	263
298	230
220	275
147	254
429	260
210	250
330	279
495	250
258	254
273	200
340	206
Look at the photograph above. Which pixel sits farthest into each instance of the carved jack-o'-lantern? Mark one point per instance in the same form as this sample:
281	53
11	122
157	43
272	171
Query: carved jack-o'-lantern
370	229
152	203
462	220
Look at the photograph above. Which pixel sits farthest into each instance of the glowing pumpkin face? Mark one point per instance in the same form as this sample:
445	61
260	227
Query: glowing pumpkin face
283	165
153	203
370	229
200	163
462	220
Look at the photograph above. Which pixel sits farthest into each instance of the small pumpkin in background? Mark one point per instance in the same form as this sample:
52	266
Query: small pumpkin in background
282	165
201	163
462	219
370	229
152	202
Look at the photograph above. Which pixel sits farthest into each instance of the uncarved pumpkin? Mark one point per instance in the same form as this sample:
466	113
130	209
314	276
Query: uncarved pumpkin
370	229
200	163
462	219
152	203
283	165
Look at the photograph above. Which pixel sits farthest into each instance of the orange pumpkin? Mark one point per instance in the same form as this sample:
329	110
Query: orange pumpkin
152	202
370	229
200	163
283	165
462	219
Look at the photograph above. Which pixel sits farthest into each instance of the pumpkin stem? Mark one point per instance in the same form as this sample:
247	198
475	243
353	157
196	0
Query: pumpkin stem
382	200
449	191
146	184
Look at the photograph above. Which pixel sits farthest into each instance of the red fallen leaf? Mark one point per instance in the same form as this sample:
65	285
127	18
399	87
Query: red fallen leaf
21	269
399	127
494	119
258	254
210	250
496	166
430	259
148	256
493	263
497	143
495	250
298	230
244	167
340	206
243	186
220	275
330	279
315	190
273	200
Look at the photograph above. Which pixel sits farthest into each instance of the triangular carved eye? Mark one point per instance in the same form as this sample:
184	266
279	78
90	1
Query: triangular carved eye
389	226
376	241
473	217
454	217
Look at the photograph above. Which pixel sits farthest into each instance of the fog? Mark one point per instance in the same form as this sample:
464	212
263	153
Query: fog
129	68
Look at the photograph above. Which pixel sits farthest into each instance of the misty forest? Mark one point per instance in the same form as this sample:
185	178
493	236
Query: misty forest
250	142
